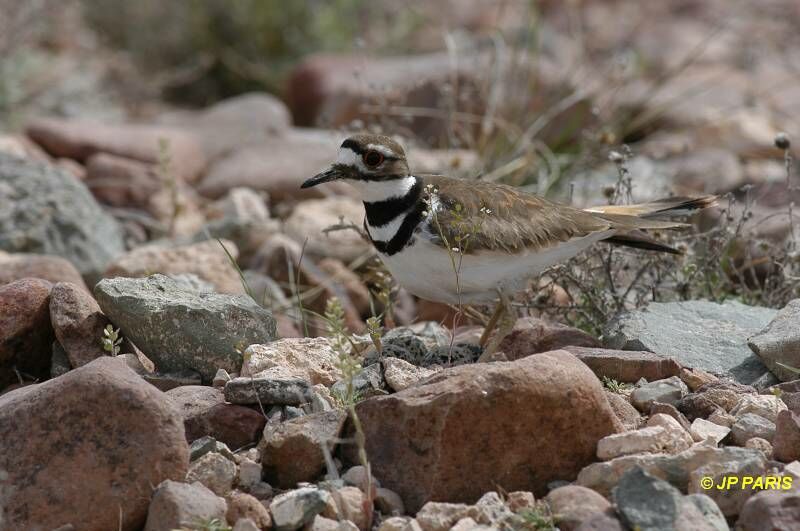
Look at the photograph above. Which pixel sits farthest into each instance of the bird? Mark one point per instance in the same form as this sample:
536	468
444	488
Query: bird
468	242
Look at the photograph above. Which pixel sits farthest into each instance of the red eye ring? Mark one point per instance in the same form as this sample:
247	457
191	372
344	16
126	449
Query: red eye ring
372	158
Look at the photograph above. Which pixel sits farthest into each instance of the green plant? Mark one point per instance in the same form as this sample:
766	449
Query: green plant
111	340
538	518
614	386
207	524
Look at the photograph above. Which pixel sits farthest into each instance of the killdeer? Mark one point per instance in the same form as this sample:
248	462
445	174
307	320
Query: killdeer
467	242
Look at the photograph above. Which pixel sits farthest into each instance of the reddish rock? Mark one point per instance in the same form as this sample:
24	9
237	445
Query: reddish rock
625	412
770	510
205	412
457	434
26	336
87	449
17	266
291	451
121	181
575	504
532	336
626	365
78	323
786	444
80	140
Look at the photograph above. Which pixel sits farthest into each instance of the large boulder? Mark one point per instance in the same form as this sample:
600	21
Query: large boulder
46	210
473	428
180	329
87	449
697	334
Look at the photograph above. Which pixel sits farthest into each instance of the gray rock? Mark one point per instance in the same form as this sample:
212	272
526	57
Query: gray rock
191	282
46	210
646	502
59	363
366	382
292	510
180	505
667	391
268	390
180	329
779	343
215	471
165	381
206	444
751	425
698	334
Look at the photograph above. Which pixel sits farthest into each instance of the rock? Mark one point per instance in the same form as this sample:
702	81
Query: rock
400	374
242	505
728	500
321	523
767	406
51	268
206	444
668	391
291	510
698	334
721	418
646	502
625	365
770	510
624	411
221	378
50	212
696	378
122	181
763	445
205	259
388	502
356	476
215	471
680	435
81	139
249	474
350	503
712	517
176	505
178	329
711	397
601	522
121	441
574	504
309	218
778	344
278	166
751	425
653	440
491	510
233	122
269	388
59	363
291	452
26	335
309	359
78	323
205	412
441	516
399	523
366	382
165	381
673	468
422	440
520	500
669	409
786	442
702	430
245	524
532	336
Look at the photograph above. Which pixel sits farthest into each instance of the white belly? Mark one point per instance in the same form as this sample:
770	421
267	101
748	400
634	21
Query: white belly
426	270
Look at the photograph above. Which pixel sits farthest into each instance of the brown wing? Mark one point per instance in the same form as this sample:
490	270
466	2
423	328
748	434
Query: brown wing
516	221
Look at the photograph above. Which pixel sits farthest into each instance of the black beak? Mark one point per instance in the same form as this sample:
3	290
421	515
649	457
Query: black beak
327	176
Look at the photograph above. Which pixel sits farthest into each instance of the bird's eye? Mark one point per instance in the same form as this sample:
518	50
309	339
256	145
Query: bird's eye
372	158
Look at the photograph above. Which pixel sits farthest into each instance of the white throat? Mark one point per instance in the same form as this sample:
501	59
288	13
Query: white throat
374	191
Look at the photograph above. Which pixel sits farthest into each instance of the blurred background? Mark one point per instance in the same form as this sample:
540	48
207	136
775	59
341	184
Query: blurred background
163	108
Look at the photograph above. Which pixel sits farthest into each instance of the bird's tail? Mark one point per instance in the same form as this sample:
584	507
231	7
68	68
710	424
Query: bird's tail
631	219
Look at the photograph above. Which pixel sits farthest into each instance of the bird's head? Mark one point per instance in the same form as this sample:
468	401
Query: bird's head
364	160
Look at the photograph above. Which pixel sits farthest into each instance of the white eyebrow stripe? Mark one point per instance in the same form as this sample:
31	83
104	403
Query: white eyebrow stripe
348	157
382	149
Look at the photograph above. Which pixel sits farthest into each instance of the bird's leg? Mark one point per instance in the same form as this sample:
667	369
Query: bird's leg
507	318
499	308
